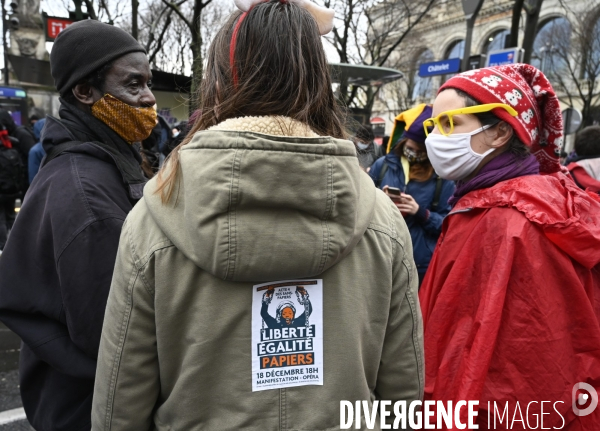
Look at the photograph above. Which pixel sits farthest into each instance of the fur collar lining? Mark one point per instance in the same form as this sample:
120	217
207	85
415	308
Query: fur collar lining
267	125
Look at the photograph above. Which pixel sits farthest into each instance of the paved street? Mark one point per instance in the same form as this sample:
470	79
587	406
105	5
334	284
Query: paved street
9	349
9	379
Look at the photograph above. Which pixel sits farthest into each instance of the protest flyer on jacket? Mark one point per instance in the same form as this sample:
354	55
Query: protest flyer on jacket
287	334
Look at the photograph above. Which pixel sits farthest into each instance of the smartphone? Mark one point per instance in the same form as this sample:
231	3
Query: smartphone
394	191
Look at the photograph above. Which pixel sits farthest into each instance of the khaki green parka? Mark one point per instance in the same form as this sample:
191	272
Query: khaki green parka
260	199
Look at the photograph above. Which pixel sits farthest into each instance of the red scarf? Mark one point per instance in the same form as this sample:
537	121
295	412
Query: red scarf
5	139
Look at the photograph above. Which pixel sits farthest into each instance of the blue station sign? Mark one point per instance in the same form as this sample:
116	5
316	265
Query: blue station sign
443	67
12	92
504	56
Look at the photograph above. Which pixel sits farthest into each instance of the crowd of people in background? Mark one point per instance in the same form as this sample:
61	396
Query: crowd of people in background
584	164
458	260
17	141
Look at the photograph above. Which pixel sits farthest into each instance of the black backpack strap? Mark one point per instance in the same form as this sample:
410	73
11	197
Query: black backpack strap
382	172
28	130
436	196
57	150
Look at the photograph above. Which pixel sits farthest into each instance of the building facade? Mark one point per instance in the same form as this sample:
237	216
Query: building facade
29	69
440	35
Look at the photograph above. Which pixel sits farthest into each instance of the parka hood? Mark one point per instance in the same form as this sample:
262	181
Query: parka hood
568	216
256	207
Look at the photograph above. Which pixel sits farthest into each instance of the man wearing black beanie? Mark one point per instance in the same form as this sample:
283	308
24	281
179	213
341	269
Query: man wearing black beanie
56	268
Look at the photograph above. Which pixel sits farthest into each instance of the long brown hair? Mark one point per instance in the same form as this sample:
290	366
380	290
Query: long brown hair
281	69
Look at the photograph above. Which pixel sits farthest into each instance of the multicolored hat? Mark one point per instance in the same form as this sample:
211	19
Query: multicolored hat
528	91
409	124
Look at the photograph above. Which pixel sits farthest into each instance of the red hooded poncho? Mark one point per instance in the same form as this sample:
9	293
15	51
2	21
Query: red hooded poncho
511	302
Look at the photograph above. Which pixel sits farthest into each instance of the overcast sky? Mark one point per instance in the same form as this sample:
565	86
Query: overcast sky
61	7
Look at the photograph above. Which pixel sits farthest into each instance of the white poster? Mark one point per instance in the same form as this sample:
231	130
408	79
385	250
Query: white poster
287	334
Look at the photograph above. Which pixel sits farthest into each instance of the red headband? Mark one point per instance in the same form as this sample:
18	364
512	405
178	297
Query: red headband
232	48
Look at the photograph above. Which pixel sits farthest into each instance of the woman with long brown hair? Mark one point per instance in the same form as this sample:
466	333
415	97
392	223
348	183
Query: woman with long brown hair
262	279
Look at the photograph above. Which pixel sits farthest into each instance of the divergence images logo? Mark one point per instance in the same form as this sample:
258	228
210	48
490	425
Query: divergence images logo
581	398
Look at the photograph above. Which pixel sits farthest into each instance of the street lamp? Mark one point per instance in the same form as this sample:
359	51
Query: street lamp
77	15
547	49
471	9
532	8
543	50
4	44
14	24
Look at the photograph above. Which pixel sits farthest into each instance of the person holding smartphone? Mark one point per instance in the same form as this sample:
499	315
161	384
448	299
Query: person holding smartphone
408	178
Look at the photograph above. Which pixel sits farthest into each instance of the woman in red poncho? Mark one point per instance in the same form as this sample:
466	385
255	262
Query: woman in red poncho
511	302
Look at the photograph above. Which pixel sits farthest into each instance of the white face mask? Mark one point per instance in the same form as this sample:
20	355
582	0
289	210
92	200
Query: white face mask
452	156
362	145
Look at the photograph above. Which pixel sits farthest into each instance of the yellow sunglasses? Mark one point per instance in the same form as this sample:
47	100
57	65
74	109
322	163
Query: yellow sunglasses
445	123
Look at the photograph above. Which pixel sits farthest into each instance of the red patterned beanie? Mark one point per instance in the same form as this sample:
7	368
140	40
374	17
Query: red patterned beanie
528	91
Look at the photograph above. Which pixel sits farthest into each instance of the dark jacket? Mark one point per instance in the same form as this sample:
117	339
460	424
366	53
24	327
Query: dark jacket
37	153
57	266
368	156
424	230
166	133
26	138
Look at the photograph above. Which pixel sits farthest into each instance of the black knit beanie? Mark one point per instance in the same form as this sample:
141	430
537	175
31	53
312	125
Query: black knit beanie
84	47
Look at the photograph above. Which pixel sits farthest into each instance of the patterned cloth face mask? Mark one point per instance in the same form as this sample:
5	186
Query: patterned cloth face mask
414	156
131	123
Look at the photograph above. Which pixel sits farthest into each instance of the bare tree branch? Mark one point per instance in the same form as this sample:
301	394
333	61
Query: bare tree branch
569	55
159	42
175	8
90	9
105	7
410	26
370	32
